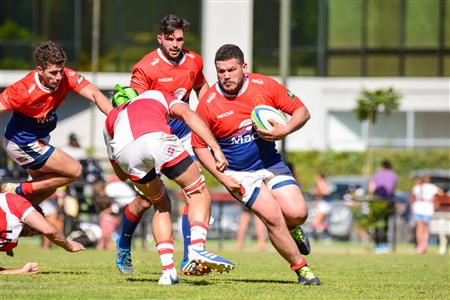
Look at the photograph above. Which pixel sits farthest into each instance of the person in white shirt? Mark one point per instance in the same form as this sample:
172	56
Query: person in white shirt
423	208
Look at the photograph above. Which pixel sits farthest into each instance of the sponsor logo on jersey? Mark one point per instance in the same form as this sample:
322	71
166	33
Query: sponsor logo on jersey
155	62
38	104
258	81
211	98
290	94
170	150
71	73
225	114
167	79
79	79
244	139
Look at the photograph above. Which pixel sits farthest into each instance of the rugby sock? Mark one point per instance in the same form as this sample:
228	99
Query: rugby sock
186	229
129	224
199	230
296	268
24	189
165	251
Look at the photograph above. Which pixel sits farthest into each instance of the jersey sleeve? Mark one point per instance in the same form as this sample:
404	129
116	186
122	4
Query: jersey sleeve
139	80
76	81
14	96
197	141
19	206
200	79
284	99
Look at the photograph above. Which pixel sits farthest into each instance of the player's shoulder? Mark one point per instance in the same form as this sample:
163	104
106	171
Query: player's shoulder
191	54
260	79
149	60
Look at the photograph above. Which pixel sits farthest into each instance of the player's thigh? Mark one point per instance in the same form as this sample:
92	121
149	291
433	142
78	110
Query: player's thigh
267	208
59	163
189	176
291	201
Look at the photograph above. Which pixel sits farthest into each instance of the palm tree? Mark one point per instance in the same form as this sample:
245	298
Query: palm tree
369	104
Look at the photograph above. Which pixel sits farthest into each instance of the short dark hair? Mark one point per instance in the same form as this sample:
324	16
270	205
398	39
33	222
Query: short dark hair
49	53
229	51
386	164
170	23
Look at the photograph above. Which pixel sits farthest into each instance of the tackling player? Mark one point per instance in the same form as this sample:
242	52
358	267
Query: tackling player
18	218
257	175
33	101
141	145
176	70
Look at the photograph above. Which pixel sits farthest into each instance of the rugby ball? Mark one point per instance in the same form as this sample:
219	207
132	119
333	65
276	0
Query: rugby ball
261	115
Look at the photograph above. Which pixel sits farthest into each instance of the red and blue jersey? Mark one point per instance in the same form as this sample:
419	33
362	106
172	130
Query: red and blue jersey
155	72
34	105
228	117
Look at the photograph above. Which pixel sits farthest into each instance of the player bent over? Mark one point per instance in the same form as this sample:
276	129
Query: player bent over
18	218
33	101
257	175
140	146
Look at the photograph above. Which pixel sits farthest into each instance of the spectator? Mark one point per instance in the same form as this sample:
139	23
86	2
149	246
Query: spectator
246	217
74	149
322	193
108	217
382	186
423	208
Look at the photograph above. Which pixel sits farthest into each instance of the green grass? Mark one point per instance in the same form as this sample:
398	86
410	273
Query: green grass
347	272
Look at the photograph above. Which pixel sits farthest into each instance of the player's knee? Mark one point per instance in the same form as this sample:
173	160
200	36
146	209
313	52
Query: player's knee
77	171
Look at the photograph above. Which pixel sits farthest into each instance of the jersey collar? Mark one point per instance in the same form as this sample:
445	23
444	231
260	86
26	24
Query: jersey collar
173	63
241	91
41	86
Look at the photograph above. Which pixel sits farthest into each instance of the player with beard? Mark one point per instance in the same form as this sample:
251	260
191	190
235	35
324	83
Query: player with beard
256	175
176	70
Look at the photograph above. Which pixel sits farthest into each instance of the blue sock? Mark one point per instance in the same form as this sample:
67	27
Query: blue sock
129	224
19	190
186	229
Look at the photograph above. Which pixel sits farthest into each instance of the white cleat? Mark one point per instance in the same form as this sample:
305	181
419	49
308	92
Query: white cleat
168	278
9	188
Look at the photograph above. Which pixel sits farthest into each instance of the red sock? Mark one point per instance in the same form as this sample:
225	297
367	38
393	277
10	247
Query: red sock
27	188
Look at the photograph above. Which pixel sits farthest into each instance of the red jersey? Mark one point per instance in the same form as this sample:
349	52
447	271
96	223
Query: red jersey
34	105
13	211
155	72
144	114
228	117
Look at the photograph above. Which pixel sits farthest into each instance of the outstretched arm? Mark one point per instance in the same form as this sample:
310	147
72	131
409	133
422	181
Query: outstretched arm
28	268
93	94
37	222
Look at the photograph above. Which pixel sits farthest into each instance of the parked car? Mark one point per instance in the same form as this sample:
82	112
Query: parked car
340	221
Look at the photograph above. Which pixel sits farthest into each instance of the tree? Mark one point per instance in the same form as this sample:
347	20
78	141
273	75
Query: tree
369	104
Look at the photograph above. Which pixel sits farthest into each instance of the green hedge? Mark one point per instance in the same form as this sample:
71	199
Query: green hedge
307	163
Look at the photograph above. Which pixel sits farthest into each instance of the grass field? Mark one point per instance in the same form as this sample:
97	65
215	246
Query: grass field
347	272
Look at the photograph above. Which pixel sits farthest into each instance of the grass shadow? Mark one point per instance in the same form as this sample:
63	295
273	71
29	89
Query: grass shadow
262	281
63	272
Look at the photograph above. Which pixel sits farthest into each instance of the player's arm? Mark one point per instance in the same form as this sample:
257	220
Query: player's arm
201	90
196	124
93	94
37	222
28	268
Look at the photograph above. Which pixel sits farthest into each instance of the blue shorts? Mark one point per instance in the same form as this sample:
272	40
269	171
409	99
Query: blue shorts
422	218
29	156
